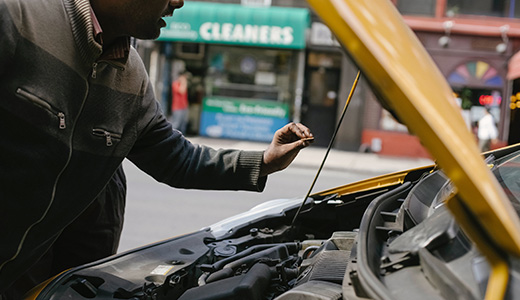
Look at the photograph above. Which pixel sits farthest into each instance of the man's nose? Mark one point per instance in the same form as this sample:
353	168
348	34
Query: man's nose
176	3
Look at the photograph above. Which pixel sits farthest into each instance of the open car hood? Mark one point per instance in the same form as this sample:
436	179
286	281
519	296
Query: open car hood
406	79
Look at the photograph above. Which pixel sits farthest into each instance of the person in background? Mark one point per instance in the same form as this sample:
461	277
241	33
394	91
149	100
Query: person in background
77	101
179	116
487	131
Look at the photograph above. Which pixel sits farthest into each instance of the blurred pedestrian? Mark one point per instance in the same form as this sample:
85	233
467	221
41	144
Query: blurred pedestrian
487	131
179	117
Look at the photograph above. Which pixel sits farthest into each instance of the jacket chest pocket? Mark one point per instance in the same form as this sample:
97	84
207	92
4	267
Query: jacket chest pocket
37	102
110	138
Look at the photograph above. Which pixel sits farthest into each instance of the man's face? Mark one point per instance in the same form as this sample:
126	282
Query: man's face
143	19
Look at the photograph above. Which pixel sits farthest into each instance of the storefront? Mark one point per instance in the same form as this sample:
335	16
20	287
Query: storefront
321	98
475	68
247	66
478	86
513	75
477	72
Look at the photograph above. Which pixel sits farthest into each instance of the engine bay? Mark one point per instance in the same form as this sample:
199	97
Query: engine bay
391	241
265	258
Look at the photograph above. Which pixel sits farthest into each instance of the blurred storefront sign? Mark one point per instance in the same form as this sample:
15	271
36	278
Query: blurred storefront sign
322	36
208	22
256	2
242	119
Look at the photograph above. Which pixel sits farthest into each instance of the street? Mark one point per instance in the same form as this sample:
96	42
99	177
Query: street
155	211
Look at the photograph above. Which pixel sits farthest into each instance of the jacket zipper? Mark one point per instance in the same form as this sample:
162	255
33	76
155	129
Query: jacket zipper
113	64
62	120
94	70
61	116
51	200
109	136
42	103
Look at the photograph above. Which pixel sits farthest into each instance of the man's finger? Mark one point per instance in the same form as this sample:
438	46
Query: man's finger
304	130
300	130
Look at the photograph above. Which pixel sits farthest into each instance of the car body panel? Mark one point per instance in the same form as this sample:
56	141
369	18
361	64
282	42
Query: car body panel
498	279
279	206
382	181
406	78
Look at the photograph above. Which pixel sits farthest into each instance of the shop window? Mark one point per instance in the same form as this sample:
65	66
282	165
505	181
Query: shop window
323	72
245	72
475	101
322	83
495	8
189	50
478	86
416	7
325	60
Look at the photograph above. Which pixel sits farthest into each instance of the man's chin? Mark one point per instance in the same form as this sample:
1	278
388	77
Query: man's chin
162	23
148	35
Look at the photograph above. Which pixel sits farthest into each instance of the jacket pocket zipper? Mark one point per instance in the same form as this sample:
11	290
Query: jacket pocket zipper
110	137
44	104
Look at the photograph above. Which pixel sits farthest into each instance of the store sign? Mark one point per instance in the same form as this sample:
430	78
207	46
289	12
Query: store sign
242	119
208	22
322	36
246	34
256	2
490	100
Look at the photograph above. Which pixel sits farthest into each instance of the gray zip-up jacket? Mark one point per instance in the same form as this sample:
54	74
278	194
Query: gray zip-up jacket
68	120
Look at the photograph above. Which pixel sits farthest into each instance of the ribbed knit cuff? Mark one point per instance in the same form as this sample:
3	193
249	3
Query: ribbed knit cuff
249	163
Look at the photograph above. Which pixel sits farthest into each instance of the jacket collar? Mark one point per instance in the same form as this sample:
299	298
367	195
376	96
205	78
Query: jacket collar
84	32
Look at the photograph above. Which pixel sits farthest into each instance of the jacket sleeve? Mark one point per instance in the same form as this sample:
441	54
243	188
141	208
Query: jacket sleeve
8	35
165	154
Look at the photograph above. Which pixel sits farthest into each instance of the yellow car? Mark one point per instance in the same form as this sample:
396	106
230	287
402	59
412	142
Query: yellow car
446	231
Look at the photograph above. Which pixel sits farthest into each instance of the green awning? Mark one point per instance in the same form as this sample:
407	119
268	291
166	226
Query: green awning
208	22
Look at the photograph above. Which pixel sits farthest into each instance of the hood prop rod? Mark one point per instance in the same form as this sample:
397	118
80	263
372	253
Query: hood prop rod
328	148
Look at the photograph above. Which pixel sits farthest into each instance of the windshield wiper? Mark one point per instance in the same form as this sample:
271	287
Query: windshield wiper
328	148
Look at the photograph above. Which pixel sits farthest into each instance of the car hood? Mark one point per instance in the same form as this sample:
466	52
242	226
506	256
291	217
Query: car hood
407	81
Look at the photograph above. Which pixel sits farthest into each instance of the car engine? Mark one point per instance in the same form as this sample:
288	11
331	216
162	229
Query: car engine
387	241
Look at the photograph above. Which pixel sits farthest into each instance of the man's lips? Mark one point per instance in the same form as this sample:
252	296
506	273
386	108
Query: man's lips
167	13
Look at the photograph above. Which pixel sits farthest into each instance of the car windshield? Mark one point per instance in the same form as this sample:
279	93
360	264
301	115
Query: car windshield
508	175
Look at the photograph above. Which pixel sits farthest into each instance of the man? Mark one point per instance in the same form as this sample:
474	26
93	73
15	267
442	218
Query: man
75	100
487	131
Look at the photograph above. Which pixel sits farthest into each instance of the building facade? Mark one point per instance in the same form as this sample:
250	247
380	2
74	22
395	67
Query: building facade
257	64
472	43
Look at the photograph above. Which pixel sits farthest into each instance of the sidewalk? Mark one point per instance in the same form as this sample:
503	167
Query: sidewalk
312	156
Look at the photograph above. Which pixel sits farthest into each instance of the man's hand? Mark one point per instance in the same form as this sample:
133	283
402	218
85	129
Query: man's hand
286	144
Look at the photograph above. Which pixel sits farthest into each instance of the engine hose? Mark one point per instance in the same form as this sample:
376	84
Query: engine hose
221	263
227	267
309	250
